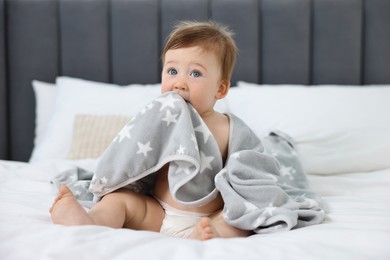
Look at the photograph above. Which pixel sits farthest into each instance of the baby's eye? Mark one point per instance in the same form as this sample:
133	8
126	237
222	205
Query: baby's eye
196	74
172	72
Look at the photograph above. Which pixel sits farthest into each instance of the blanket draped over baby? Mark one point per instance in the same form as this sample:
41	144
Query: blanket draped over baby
262	182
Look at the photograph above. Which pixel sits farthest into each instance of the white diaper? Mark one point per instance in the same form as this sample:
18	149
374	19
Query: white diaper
179	223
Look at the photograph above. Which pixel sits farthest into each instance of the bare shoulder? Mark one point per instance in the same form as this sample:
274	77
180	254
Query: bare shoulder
222	119
217	122
219	126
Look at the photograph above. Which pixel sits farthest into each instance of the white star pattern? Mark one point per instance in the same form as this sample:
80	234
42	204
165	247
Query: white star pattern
147	107
97	185
249	207
183	167
103	180
124	133
235	155
259	221
168	101
270	209
205	162
204	130
169	118
287	171
181	150
144	148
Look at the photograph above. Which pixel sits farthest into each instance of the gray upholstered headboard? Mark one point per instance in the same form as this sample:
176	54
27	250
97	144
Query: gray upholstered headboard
280	41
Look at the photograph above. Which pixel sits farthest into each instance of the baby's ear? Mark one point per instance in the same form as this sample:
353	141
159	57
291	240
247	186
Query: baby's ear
223	89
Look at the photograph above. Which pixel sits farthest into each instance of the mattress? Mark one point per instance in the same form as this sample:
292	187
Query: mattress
357	225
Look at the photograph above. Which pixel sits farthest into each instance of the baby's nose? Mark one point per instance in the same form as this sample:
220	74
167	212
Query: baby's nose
180	86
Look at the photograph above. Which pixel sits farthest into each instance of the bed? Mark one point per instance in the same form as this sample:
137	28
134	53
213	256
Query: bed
72	73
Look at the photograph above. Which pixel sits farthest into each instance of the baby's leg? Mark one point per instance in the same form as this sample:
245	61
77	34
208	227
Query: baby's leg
66	210
122	208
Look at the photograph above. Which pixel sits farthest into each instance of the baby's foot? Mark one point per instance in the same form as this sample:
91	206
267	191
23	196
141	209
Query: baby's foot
66	210
223	229
203	230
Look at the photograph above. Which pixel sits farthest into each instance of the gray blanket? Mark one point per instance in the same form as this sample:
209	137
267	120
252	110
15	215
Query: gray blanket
262	182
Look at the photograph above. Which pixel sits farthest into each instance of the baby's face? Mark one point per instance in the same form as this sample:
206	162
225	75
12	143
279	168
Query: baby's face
194	74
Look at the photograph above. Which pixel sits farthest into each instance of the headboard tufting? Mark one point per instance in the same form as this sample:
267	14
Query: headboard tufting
281	41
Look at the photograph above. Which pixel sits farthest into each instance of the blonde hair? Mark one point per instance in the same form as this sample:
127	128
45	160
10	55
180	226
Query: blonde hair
210	36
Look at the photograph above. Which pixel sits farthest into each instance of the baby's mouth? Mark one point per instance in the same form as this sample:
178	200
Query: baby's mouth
182	94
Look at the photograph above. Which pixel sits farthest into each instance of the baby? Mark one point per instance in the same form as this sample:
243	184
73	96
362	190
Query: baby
198	60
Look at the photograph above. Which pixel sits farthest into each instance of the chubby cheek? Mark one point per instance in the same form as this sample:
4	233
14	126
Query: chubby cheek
165	86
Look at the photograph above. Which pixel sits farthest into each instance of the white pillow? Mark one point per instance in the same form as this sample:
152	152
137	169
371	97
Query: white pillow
337	129
45	94
77	96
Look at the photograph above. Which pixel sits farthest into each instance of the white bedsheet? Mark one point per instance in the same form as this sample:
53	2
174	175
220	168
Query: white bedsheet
357	225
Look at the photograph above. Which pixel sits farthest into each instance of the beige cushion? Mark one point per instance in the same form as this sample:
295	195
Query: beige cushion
93	133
